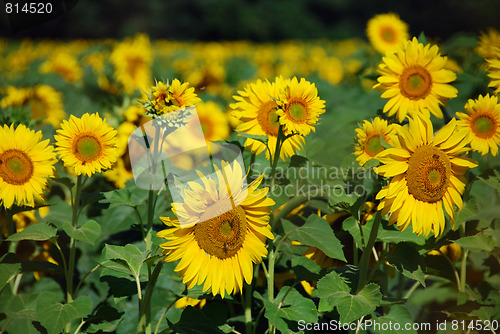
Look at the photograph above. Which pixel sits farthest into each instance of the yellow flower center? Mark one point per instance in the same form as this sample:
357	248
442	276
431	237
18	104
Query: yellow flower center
297	111
388	34
483	126
38	108
133	64
222	236
428	174
373	146
268	119
87	148
415	82
15	167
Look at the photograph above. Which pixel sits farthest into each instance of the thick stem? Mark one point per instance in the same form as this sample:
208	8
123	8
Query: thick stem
248	308
72	244
270	279
365	257
145	310
463	271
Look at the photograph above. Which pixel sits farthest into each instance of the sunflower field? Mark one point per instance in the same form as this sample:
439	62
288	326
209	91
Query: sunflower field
158	186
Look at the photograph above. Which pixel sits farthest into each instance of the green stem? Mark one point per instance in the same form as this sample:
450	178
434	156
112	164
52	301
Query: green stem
270	279
72	244
149	228
145	310
248	308
365	257
157	328
276	157
463	271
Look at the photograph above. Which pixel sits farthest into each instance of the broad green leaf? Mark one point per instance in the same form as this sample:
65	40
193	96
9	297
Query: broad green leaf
54	315
7	272
88	233
398	314
481	242
305	269
37	232
130	254
106	319
196	322
334	292
118	198
19	311
316	232
292	307
407	260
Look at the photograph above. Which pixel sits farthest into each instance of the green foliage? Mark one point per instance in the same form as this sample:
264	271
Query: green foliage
54	316
38	232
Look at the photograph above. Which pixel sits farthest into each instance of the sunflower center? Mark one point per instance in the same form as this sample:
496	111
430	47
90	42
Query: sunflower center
268	119
87	148
428	174
484	126
388	34
297	111
222	236
373	146
415	82
38	109
15	167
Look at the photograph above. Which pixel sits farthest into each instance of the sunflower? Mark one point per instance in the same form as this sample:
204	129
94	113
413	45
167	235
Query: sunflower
217	236
494	72
65	65
256	110
25	164
132	61
167	97
415	81
45	102
482	120
300	107
87	144
213	121
427	174
386	32
369	135
489	43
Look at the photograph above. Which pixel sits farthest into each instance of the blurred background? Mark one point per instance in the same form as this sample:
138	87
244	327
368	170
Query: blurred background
255	20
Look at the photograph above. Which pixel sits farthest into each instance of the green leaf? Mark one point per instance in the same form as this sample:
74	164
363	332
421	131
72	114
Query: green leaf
195	321
334	292
297	161
19	311
37	232
7	272
262	138
305	269
481	242
88	233
54	316
422	39
398	314
407	260
316	232
293	307
106	319
131	255
118	198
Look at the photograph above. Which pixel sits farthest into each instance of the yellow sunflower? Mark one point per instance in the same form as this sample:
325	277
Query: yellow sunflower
427	174
213	121
494	72
217	243
45	102
489	43
87	144
300	107
415	81
65	65
25	164
168	97
132	61
256	110
369	135
387	32
482	120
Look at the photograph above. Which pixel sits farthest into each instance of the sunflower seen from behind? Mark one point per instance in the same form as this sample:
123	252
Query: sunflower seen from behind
369	137
26	162
217	245
414	81
87	144
256	110
426	174
386	32
482	120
